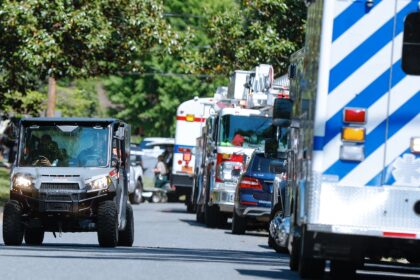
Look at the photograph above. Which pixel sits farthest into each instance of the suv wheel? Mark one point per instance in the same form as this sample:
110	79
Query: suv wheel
13	228
238	223
126	236
34	236
107	224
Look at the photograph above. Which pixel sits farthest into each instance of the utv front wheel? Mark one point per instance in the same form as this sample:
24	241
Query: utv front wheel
126	236
107	224
13	228
34	236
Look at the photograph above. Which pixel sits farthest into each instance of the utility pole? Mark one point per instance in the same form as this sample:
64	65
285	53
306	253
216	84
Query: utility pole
52	88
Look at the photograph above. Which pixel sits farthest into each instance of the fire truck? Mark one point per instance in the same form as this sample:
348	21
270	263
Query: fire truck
354	140
190	118
231	135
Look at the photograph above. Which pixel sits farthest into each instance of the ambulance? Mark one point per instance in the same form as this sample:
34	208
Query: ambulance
354	140
190	119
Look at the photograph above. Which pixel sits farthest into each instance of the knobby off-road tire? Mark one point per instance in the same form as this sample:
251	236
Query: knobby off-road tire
13	228
107	224
126	236
34	236
238	223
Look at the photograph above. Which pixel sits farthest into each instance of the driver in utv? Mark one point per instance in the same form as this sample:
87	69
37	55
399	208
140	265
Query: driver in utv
65	180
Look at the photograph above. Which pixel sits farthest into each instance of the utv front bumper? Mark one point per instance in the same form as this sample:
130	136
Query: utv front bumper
49	202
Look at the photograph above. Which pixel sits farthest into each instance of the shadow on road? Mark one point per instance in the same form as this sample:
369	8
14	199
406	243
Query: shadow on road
174	210
271	274
78	251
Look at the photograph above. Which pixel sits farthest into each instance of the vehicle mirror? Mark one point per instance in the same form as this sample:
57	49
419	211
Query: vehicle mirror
270	147
119	134
292	71
282	112
277	166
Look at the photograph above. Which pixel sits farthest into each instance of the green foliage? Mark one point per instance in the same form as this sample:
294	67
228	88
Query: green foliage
149	101
76	39
32	102
266	31
78	99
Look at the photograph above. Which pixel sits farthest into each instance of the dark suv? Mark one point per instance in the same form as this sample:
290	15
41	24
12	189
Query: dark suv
253	195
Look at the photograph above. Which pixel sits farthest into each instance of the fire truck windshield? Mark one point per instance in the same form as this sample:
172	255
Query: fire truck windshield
244	131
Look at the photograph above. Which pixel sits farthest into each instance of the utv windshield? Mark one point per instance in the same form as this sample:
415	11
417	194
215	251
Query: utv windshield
64	146
244	131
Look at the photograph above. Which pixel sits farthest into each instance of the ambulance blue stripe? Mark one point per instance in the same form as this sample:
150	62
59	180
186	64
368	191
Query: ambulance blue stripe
367	49
388	180
364	100
361	55
348	18
376	138
318	143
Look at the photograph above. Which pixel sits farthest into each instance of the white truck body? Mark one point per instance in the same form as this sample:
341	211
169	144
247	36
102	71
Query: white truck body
354	168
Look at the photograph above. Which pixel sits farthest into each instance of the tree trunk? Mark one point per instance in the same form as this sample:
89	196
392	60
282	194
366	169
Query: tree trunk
52	88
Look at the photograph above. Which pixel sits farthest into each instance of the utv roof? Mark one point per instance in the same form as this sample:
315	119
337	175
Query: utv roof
68	120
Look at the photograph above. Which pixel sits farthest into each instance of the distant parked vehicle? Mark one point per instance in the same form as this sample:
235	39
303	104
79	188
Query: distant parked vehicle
253	195
135	188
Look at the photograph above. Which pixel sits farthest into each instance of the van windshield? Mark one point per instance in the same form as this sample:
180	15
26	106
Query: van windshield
244	131
64	146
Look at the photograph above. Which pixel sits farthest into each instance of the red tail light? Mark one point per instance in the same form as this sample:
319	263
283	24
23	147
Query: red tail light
227	158
250	183
354	115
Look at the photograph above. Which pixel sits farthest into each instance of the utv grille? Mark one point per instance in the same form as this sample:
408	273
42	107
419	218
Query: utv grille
59	186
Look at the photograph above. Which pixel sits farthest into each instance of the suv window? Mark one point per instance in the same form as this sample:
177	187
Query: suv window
411	44
260	164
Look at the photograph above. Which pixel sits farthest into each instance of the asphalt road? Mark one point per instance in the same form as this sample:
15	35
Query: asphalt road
169	244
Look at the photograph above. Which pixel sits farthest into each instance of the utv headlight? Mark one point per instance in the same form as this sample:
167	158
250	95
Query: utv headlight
101	183
22	182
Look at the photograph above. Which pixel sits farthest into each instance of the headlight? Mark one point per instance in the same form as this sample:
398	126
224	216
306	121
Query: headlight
22	182
100	183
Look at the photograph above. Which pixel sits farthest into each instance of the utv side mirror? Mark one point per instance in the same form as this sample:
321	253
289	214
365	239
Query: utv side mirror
119	134
277	167
282	112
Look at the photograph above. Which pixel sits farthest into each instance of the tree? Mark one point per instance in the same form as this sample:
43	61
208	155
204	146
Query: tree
75	39
148	100
265	31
